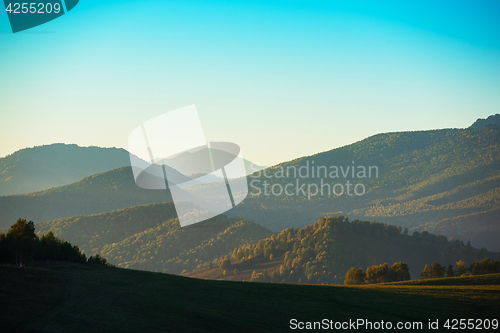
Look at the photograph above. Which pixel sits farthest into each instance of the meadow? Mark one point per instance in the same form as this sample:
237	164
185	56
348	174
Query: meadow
61	297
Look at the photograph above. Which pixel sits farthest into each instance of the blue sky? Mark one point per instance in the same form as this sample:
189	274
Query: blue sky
282	79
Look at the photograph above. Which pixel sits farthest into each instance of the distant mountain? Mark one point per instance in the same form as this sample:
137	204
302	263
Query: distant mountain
151	238
43	167
103	192
491	120
188	163
443	181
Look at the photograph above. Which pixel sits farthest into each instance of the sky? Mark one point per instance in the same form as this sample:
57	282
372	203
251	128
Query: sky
282	79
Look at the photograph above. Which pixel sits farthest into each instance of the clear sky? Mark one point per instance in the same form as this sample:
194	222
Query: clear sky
282	79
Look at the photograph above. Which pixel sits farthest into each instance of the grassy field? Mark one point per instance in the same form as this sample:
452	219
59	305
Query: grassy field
92	298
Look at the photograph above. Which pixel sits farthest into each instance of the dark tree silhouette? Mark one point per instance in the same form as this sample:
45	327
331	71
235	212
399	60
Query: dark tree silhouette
23	240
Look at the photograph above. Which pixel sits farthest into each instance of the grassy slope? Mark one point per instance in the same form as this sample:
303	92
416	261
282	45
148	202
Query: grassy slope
90	298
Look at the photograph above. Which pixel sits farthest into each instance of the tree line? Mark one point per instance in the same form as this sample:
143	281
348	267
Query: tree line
20	246
400	271
481	267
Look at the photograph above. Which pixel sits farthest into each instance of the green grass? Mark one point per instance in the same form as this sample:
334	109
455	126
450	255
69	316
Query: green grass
476	280
92	298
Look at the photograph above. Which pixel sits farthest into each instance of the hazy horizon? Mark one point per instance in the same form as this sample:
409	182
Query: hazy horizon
126	148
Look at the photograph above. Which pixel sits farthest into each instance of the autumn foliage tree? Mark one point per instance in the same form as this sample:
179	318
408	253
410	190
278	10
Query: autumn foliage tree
354	276
224	263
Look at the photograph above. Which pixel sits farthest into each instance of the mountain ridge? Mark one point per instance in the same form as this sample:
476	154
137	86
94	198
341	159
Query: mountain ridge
42	167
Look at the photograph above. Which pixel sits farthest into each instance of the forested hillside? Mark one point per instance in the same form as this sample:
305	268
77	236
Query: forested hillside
43	167
150	237
442	181
325	251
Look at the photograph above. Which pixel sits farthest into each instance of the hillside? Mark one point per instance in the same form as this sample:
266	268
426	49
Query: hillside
83	298
442	181
43	167
324	251
103	192
150	237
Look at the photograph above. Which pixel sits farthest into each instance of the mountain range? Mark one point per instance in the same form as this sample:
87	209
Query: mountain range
443	181
43	167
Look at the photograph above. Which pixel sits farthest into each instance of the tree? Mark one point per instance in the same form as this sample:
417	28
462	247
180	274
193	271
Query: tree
399	272
371	274
485	266
377	274
405	231
437	271
224	263
24	240
449	271
235	253
49	247
97	259
425	273
461	268
354	276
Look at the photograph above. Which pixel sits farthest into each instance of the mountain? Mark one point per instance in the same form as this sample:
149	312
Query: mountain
95	298
43	167
324	251
150	237
103	192
443	181
491	120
